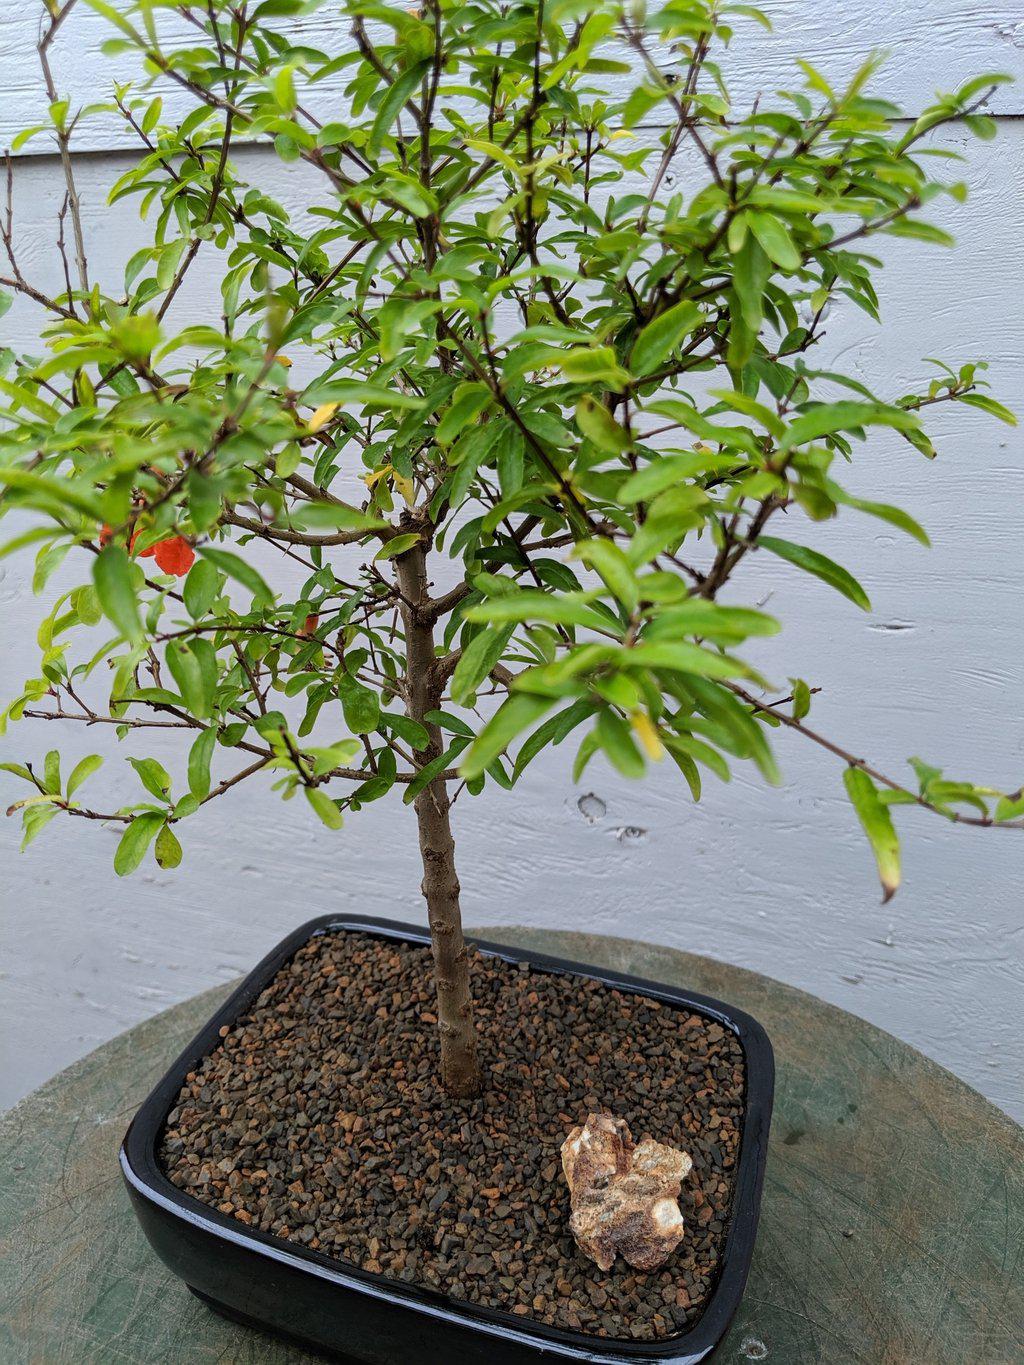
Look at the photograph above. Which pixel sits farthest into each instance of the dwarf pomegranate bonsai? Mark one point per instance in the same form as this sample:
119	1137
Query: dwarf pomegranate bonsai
513	399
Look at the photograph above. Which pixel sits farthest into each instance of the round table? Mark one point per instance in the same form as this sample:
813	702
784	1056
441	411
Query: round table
892	1225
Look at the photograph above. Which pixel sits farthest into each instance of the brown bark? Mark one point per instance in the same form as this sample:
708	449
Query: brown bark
460	1069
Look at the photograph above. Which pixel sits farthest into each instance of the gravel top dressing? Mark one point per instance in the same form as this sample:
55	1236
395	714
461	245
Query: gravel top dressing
319	1118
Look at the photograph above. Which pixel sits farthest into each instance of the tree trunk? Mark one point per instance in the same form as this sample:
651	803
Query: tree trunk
460	1070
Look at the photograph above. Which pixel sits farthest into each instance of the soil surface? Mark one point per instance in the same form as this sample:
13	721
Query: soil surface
319	1119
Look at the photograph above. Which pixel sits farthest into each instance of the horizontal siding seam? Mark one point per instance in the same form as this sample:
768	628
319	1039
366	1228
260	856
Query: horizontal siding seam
129	149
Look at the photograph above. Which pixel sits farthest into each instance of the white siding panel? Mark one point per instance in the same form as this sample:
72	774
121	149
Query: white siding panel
933	45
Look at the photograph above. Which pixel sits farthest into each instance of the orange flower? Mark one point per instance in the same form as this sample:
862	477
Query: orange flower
175	556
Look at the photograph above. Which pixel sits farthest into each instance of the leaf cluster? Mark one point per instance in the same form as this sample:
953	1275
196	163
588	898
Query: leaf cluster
492	337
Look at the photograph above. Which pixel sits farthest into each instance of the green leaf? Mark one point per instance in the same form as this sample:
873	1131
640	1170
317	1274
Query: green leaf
878	826
28	537
617	742
358	391
989	405
468	401
51	772
154	776
774	237
751	273
473	450
18	769
402	89
167	850
589	746
48	561
687	416
895	516
325	808
570	609
409	194
697	749
589	365
816	80
410	730
476	661
337	516
24	397
284	88
81	771
87	604
430	770
446	721
710	620
187	673
376	787
118	20
29	802
944	793
35	819
338	755
201	588
801	699
1009	807
61	490
920	231
26	135
400	317
514	715
686	766
397	545
510	459
241	571
204	501
200	757
135	841
750	407
667	472
656	342
828	418
360	705
600	427
553	731
112	576
731	725
682	657
614	568
813	562
152	115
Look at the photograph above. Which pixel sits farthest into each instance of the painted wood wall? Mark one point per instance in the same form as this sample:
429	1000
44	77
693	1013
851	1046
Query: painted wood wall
779	881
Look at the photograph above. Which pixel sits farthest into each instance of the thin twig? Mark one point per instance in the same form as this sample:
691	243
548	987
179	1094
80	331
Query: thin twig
791	723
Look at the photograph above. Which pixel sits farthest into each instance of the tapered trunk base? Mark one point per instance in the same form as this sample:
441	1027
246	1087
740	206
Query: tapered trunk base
460	1069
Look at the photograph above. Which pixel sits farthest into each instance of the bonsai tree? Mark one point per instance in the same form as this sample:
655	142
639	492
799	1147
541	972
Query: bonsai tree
511	409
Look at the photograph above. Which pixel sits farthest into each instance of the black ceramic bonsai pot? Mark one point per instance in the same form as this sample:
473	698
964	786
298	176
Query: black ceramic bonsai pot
344	1312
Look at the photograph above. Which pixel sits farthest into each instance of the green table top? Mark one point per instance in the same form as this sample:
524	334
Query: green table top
892	1227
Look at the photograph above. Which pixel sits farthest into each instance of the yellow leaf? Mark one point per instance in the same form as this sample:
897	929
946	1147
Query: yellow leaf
376	475
647	733
323	415
404	487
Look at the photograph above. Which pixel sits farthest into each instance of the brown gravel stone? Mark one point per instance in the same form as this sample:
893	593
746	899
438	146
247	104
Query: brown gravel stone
319	1118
